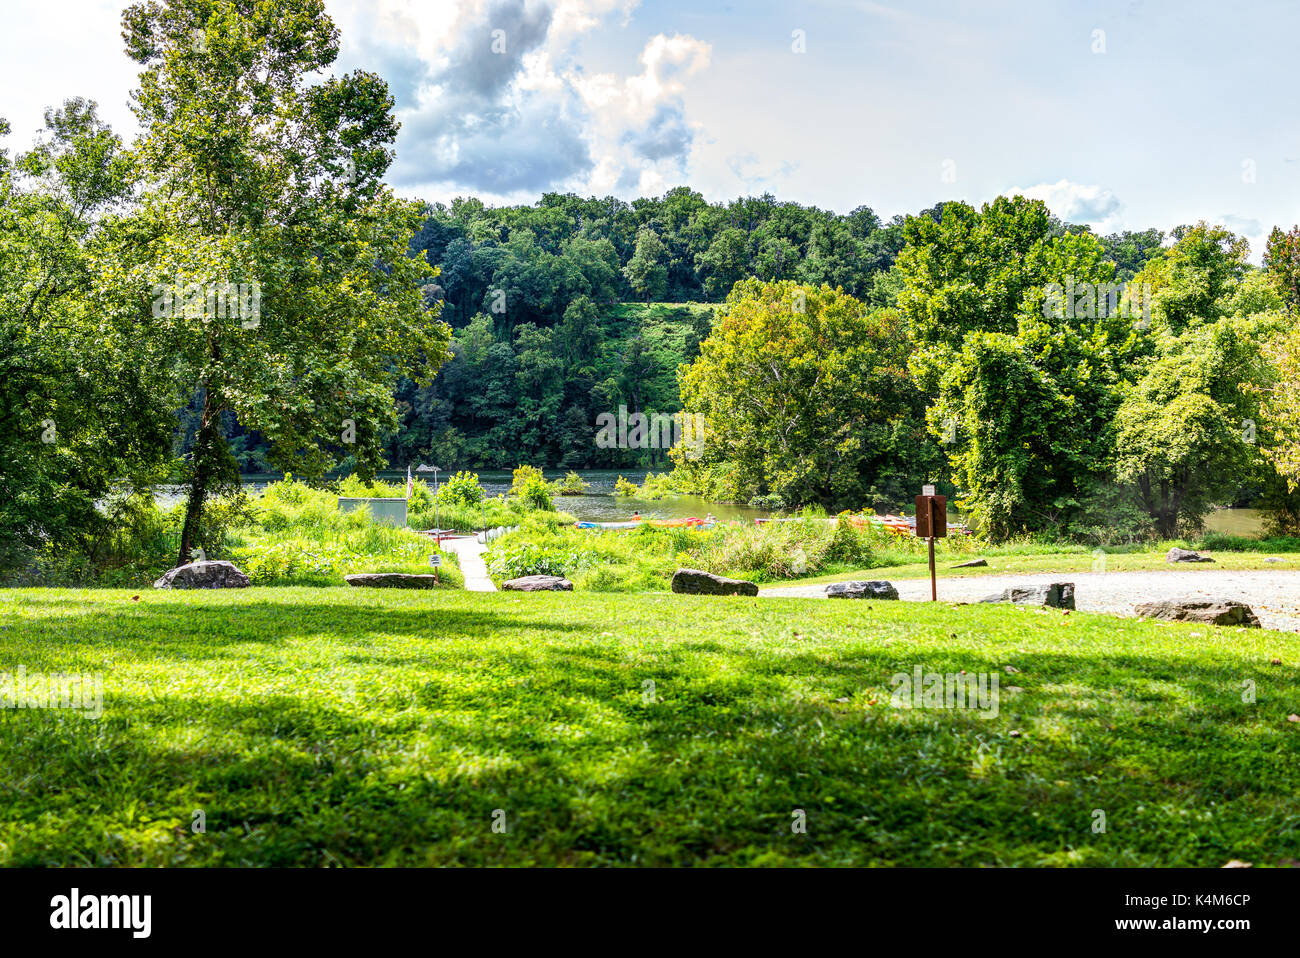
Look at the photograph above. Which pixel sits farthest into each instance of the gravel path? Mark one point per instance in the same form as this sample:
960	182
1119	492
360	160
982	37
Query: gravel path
1274	596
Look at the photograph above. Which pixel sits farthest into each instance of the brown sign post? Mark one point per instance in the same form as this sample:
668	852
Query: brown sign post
931	522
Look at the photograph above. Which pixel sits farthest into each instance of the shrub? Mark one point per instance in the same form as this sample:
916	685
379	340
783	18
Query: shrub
220	517
849	544
531	488
515	558
523	475
571	485
773	502
462	489
657	487
624	488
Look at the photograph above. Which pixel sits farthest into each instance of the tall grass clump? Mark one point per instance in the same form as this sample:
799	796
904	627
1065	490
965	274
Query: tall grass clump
644	558
296	535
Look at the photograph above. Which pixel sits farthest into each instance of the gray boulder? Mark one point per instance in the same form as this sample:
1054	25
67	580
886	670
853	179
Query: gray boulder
861	590
209	574
1058	595
1200	610
1185	555
695	582
391	580
974	563
538	583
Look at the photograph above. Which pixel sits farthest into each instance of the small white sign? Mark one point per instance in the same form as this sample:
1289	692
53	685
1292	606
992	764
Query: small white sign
435	560
927	490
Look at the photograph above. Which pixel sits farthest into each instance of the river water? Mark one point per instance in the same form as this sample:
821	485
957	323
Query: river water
601	505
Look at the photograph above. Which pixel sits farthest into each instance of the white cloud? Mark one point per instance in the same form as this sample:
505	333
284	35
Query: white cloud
641	120
1076	202
509	114
579	16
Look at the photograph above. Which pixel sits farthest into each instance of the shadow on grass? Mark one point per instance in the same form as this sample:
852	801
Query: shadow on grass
535	713
189	632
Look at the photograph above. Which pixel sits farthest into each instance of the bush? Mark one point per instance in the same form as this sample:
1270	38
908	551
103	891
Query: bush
1222	542
657	487
220	517
571	485
532	488
849	544
512	559
462	489
623	487
773	502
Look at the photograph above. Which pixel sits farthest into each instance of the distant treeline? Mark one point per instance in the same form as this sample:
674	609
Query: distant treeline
546	334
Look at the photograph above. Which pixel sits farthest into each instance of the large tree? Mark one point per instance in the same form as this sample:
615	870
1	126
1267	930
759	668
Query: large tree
646	271
805	394
1186	432
260	169
1021	354
1282	264
85	423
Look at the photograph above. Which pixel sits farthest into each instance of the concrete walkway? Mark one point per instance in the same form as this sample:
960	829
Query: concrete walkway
1274	596
469	551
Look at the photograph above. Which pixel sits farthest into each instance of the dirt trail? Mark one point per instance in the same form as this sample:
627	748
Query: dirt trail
1275	596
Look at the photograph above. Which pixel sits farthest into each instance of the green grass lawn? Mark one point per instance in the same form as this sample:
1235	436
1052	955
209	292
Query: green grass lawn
318	726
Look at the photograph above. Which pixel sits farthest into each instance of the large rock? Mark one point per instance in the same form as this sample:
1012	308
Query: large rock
538	583
861	590
1058	595
391	580
210	574
695	582
973	564
1185	555
1200	610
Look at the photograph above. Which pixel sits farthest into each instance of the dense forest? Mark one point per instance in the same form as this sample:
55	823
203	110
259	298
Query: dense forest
572	307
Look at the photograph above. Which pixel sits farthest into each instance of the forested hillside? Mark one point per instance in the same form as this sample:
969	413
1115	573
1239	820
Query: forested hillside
572	307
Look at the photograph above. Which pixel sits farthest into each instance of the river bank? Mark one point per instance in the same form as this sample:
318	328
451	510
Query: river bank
599	504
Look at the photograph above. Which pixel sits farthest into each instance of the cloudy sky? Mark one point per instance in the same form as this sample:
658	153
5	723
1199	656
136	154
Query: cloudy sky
1122	114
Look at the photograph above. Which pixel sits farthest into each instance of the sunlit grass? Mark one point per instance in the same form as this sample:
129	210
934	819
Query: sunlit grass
332	726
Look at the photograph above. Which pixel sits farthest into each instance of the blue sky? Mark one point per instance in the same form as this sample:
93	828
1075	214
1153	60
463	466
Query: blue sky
1120	114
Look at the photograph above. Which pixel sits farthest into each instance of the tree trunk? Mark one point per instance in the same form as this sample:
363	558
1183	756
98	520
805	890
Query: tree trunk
204	459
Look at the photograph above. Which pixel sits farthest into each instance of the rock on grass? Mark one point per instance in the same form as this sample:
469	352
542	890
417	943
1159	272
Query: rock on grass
696	582
861	590
1058	595
1196	610
538	583
391	580
1185	555
209	574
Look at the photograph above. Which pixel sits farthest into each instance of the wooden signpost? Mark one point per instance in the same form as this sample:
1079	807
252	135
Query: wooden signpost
931	522
435	560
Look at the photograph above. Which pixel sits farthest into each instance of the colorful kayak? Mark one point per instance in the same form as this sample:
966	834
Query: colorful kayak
691	523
